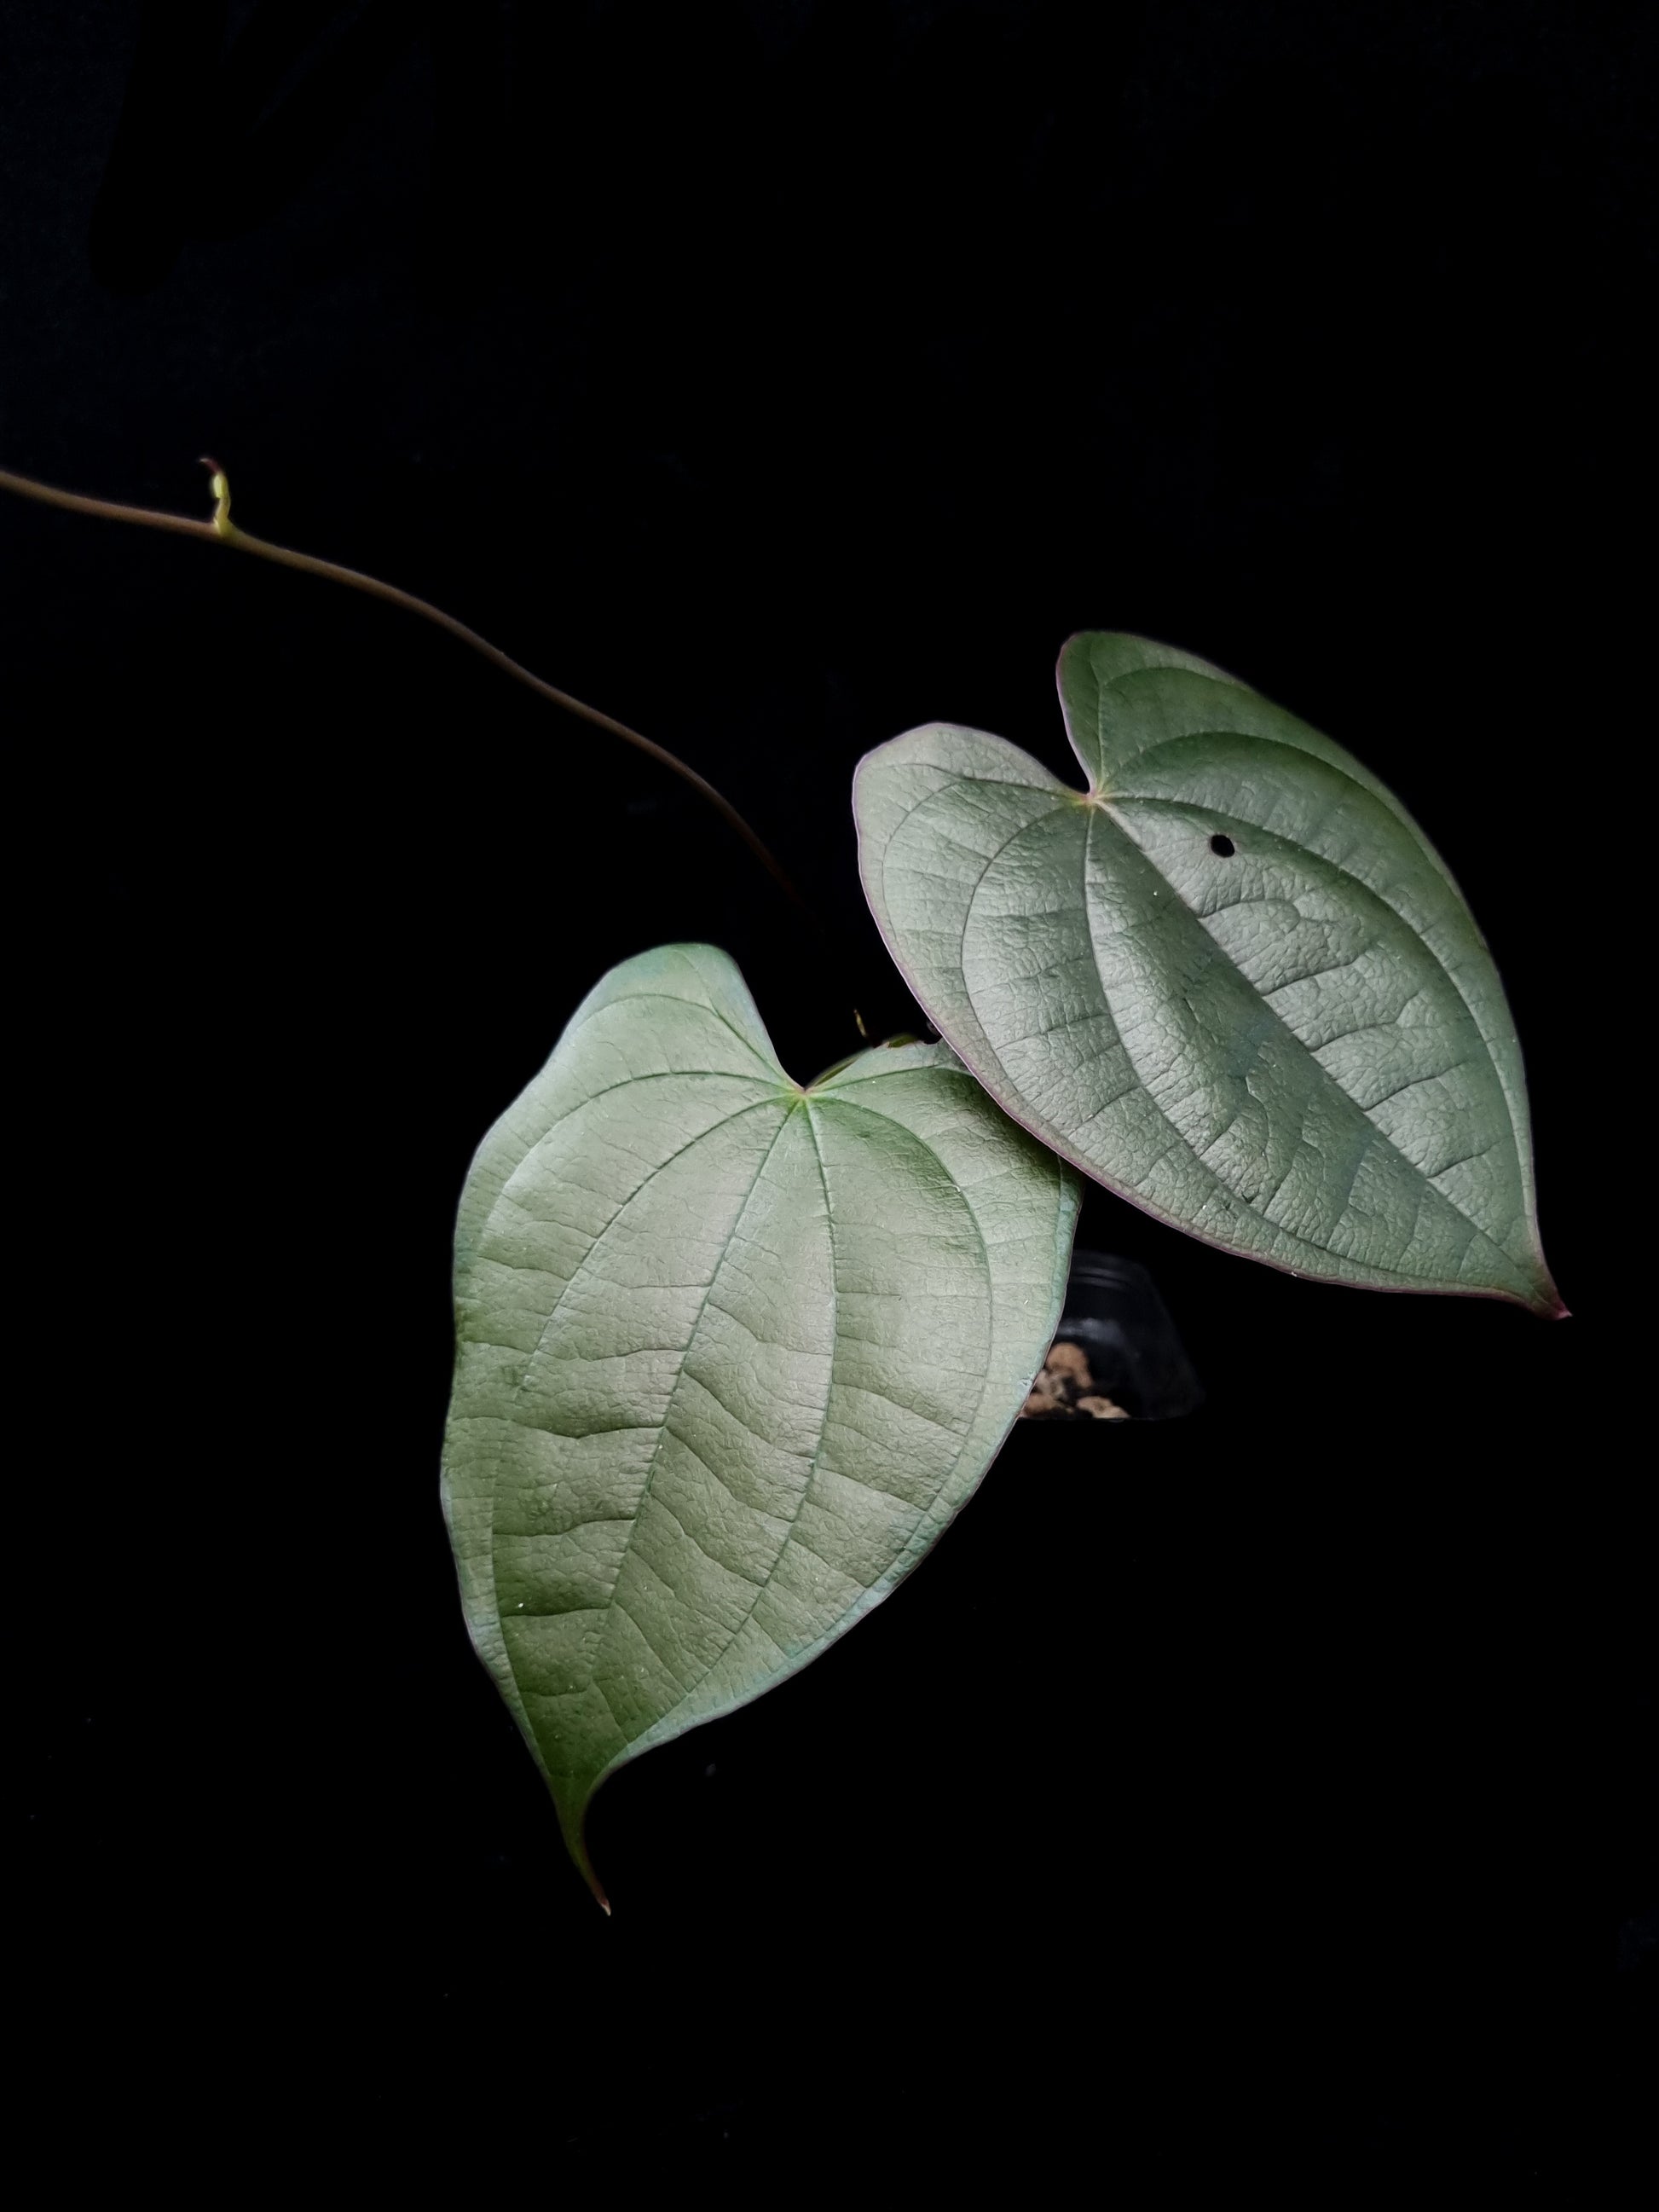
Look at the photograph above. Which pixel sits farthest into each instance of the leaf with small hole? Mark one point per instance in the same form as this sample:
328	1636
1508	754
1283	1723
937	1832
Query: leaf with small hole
1231	980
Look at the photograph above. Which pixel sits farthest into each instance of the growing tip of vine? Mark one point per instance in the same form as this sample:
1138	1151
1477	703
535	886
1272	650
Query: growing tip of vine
219	485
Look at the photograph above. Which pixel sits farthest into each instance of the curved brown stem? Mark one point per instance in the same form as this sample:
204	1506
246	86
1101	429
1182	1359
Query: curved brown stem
221	531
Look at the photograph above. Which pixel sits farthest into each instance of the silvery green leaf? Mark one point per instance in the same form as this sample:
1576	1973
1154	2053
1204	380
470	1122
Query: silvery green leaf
1230	979
731	1352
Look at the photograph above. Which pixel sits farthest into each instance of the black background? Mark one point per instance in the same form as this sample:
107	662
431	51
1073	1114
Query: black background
1264	1799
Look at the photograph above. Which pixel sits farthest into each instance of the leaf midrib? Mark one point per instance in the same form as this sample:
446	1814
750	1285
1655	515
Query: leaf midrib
927	1515
1068	1148
1378	1135
1321	862
790	1103
1067	796
1381	795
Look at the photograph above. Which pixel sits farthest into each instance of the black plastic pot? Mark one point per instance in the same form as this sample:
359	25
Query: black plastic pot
1116	1317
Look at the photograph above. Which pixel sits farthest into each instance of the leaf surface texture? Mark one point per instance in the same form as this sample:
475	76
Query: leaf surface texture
731	1353
1232	980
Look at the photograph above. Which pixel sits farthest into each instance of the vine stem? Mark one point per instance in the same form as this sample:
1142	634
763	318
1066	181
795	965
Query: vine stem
221	531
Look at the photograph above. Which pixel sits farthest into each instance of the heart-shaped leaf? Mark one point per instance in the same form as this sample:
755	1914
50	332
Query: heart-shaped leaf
731	1353
1231	980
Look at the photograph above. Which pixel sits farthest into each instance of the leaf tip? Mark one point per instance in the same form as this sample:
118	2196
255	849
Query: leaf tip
586	1866
1547	1302
574	1826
